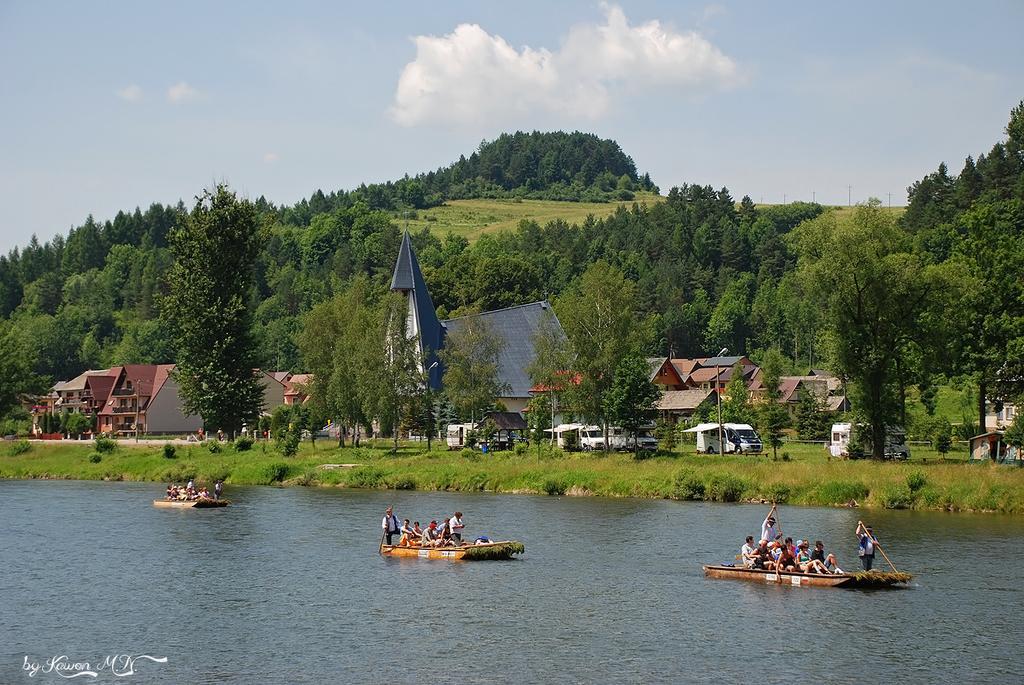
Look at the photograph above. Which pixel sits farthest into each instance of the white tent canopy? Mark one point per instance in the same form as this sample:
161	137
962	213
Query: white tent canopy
705	427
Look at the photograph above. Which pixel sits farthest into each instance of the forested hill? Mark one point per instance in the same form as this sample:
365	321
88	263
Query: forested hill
572	167
707	272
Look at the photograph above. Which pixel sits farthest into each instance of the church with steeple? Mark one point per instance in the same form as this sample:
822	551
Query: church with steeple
517	326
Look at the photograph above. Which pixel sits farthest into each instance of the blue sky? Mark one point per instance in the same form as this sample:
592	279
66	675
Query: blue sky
108	106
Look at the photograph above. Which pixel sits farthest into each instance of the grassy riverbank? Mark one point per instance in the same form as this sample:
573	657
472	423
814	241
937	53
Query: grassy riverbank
807	478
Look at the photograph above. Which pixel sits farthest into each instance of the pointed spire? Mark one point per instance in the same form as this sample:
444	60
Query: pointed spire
406	267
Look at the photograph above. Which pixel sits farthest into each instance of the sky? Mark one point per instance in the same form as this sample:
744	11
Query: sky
109	106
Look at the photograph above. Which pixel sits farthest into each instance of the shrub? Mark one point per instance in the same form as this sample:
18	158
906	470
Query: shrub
687	486
896	497
366	477
916	481
725	487
105	444
243	444
553	486
19	447
95	457
469	454
404	483
170	452
520	448
778	493
288	442
213	446
785	456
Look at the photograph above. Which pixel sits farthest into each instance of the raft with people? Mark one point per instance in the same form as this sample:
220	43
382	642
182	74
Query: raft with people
783	561
859	579
202	503
441	541
483	551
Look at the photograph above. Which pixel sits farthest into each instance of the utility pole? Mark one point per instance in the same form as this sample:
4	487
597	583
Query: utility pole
718	394
849	196
814	196
890	200
784	198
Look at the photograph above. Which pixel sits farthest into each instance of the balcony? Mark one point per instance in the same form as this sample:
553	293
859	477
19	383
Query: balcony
123	392
125	410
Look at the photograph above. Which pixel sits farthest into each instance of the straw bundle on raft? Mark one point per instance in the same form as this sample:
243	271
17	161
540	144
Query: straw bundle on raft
879	578
498	550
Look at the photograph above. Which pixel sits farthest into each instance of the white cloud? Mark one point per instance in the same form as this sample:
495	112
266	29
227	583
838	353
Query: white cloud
181	92
270	157
470	76
131	93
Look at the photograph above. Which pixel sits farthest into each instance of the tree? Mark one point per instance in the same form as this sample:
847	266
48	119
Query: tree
598	317
736	398
470	358
878	298
76	423
631	400
549	370
215	247
772	416
336	342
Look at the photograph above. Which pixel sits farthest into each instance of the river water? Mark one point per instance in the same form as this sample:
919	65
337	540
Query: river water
286	586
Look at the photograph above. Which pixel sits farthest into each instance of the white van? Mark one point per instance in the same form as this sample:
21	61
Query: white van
739	438
592	438
844	433
456	434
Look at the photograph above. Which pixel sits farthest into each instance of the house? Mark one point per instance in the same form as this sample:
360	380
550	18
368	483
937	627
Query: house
297	388
998	419
664	374
77	395
144	399
516	327
275	385
683	404
712	373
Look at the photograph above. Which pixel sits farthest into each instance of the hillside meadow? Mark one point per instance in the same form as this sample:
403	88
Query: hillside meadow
805	477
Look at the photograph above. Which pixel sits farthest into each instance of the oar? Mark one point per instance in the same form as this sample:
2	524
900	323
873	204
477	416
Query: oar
380	550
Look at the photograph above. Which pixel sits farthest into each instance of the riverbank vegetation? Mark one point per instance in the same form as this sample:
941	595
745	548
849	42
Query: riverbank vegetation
803	475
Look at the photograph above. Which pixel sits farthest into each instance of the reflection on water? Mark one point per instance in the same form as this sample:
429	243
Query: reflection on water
286	586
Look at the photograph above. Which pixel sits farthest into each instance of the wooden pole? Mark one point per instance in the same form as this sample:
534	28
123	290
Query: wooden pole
380	549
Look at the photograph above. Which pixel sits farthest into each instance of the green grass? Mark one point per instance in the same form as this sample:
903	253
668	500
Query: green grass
473	218
808	477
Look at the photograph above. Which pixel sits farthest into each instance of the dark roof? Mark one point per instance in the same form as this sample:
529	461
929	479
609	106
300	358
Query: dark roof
506	420
719	361
408	278
517	327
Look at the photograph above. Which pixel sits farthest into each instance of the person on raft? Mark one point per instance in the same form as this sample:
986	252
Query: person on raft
455	525
408	534
865	545
389	524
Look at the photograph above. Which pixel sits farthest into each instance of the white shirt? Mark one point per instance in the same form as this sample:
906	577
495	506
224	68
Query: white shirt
455	525
389	519
746	552
767	531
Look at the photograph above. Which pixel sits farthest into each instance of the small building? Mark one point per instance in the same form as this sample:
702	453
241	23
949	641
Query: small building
297	388
144	399
990	445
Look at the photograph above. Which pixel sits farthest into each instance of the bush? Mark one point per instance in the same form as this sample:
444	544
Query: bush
725	487
366	477
916	481
553	486
243	444
213	446
170	452
520	448
105	444
469	454
19	447
288	442
778	493
95	457
687	486
896	497
404	483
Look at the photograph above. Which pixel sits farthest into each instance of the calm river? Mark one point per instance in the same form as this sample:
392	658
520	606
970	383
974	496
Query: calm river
286	587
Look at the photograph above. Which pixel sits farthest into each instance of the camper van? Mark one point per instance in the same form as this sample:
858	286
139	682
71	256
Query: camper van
456	435
592	438
843	434
740	438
